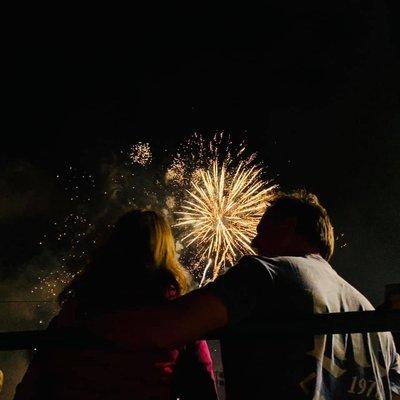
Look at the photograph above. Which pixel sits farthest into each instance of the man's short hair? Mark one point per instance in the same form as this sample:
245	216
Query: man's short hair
313	222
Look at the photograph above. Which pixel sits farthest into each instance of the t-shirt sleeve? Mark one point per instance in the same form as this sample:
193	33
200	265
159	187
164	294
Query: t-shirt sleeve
243	287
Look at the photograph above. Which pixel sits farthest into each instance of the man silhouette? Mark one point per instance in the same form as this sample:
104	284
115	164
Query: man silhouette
290	277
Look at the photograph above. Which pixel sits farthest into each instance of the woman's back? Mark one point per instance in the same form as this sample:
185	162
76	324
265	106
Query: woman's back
111	373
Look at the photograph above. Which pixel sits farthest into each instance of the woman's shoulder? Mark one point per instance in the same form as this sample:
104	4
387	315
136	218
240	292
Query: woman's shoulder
146	289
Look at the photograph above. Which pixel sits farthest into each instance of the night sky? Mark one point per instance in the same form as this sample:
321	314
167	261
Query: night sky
312	88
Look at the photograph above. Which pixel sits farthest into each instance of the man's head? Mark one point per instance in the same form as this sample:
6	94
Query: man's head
295	224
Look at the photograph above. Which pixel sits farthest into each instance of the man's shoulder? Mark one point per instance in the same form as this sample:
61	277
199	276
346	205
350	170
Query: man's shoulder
286	267
249	269
263	267
268	262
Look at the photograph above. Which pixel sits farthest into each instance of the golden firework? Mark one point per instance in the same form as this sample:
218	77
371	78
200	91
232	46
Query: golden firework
222	211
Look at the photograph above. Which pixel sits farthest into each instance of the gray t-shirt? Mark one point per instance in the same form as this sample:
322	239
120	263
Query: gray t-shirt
292	366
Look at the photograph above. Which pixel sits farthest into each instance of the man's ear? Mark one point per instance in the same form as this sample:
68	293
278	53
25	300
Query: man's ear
290	224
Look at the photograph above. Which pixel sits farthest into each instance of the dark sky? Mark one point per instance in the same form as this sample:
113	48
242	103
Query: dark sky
313	88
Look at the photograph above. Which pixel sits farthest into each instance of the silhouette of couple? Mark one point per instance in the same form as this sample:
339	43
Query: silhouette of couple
135	294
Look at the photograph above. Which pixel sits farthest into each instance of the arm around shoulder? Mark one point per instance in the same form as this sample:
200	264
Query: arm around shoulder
177	322
230	298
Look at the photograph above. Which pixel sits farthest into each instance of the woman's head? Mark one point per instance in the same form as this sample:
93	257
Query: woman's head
141	241
140	237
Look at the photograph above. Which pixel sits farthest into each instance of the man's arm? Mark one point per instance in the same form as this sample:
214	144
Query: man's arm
230	298
177	322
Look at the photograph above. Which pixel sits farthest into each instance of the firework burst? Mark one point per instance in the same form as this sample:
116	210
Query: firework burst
141	153
222	210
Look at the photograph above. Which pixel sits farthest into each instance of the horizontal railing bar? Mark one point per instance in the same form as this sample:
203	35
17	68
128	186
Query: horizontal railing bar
320	324
317	324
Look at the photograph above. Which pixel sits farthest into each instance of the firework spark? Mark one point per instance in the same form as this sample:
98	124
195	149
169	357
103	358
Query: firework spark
53	283
222	211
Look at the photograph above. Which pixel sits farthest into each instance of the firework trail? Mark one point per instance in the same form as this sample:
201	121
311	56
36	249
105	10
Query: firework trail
204	276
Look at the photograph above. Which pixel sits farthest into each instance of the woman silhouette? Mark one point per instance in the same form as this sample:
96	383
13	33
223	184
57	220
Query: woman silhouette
136	267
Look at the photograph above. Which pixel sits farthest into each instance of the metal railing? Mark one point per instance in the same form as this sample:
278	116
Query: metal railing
317	324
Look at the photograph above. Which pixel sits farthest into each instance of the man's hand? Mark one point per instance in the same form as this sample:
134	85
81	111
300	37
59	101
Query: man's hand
177	322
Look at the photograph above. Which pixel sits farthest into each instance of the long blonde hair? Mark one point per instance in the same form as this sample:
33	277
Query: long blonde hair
140	243
163	251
